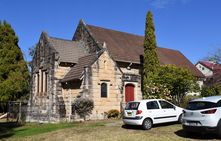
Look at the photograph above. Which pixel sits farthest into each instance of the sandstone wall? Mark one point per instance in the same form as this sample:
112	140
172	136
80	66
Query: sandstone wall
104	70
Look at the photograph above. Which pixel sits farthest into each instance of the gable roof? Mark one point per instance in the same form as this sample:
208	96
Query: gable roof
69	51
174	57
125	47
77	71
118	42
211	65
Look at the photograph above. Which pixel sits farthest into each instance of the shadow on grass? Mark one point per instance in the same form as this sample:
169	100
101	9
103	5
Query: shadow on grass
195	135
180	133
131	127
134	127
6	129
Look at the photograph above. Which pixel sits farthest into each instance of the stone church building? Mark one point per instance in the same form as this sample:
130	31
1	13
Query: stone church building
104	64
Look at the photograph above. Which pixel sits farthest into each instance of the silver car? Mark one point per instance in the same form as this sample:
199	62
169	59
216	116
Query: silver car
203	115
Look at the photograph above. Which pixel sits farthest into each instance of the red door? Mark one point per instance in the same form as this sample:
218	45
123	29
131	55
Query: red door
129	92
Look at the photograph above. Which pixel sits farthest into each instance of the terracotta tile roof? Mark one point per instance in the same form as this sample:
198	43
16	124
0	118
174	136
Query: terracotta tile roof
77	70
69	51
125	47
216	68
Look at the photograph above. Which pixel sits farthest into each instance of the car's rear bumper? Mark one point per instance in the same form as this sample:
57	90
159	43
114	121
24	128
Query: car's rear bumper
133	121
206	121
200	129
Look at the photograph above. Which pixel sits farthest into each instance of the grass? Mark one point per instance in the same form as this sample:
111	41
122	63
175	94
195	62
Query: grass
35	129
15	130
108	130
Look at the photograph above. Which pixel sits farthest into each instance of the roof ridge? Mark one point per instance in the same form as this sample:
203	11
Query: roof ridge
124	32
61	39
169	49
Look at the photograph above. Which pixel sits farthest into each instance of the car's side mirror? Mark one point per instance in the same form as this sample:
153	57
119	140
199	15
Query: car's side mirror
174	107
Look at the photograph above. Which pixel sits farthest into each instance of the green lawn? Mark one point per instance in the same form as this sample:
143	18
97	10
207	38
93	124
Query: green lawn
15	130
109	130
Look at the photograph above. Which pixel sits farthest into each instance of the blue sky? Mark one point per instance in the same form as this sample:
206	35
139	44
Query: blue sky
190	26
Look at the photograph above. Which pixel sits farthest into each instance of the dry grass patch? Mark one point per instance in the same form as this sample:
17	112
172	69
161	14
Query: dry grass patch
112	130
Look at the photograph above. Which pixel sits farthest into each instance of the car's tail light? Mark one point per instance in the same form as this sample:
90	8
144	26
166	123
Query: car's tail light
212	111
138	112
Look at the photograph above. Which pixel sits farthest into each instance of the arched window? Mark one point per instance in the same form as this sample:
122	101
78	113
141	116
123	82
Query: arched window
104	90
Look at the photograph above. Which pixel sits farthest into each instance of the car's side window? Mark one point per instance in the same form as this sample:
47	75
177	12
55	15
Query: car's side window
152	105
219	103
166	105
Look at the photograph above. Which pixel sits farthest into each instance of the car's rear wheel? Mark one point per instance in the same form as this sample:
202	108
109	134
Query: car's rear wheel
180	119
147	124
126	126
219	129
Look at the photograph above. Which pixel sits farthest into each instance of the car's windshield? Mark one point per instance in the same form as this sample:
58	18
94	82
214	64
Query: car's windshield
199	105
132	106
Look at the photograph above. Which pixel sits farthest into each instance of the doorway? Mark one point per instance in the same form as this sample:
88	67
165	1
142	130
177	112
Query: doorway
129	92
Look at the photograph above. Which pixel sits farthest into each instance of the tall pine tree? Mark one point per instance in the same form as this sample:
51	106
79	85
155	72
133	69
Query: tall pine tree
151	62
14	74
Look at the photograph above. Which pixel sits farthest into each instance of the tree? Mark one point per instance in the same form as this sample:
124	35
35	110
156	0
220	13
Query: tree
216	57
151	61
31	50
14	74
176	82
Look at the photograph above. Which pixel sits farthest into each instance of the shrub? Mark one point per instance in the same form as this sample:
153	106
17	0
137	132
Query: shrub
210	90
113	113
187	99
83	106
171	83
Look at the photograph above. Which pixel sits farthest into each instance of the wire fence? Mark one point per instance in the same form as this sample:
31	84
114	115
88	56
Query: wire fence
51	113
13	111
17	111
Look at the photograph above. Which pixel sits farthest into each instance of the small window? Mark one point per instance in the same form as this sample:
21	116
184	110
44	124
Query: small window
166	105
42	81
38	82
152	105
104	90
132	106
218	104
46	82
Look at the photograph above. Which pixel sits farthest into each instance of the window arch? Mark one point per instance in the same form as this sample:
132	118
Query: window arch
103	89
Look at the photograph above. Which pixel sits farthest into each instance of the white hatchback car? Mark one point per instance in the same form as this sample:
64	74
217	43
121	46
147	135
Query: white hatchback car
203	114
151	111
